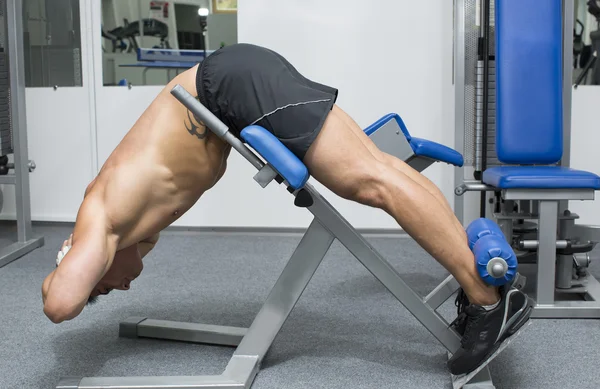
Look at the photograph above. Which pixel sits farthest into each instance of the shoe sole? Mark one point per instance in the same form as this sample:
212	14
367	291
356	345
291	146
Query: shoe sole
520	321
460	381
513	329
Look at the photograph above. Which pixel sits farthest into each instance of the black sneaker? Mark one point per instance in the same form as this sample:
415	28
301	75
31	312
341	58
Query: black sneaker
484	331
462	302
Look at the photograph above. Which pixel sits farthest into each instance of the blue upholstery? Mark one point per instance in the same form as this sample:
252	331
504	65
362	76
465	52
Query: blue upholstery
529	81
540	177
529	123
421	147
296	173
436	151
277	155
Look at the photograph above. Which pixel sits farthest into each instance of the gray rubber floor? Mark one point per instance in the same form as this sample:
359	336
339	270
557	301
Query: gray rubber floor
346	332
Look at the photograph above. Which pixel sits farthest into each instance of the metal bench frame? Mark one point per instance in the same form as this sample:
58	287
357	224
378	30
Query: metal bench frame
253	343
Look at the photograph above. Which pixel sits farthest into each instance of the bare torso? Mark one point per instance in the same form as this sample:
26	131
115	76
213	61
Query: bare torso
160	169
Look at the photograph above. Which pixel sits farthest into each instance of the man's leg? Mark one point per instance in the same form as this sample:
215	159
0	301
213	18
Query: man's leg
342	161
403	167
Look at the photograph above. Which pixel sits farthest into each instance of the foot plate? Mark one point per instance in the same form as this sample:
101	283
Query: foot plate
460	381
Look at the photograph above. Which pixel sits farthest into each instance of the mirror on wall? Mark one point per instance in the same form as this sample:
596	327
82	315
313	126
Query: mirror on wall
52	43
148	42
586	42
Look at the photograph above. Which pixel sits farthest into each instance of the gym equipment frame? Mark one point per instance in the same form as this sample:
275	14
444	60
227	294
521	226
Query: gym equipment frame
253	343
529	217
26	241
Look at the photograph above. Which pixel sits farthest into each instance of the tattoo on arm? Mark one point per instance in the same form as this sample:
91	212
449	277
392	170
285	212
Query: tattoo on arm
195	127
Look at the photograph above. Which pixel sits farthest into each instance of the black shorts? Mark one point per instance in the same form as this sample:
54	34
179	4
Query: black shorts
244	84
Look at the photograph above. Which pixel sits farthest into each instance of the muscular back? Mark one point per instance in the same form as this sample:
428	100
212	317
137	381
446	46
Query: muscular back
160	169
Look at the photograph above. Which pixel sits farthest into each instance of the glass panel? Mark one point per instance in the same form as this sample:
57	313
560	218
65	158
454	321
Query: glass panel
52	43
586	42
172	37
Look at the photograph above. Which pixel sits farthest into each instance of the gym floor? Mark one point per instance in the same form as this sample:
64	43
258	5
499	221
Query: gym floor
346	331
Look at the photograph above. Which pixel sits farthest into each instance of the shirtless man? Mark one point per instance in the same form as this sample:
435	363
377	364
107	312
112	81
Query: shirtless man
168	160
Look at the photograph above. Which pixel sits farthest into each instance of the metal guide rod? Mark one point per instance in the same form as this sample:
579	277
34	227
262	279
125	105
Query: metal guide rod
214	124
14	25
485	56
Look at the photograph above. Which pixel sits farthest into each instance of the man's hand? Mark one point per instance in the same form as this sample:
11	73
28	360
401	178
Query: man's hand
64	249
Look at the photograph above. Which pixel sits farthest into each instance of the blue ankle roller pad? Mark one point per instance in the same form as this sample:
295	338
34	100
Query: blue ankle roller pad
421	147
277	155
529	81
488	243
493	246
480	228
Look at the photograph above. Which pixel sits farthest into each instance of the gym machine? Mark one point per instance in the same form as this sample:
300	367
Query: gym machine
129	31
13	129
529	202
496	263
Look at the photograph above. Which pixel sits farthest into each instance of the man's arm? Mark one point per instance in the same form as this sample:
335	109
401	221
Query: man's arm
141	248
67	289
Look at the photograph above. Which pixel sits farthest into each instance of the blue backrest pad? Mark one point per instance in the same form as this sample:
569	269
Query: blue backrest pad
529	81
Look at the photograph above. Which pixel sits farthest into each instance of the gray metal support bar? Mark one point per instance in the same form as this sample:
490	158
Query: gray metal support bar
547	252
14	23
9	179
564	263
16	250
472	186
590	233
26	242
382	270
564	271
459	98
287	290
181	331
548	194
187	382
442	292
567	90
255	342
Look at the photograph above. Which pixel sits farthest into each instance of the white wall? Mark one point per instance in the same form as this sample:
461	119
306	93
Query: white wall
376	56
371	85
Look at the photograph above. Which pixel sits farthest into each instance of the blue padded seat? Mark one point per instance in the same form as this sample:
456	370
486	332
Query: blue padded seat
421	147
286	163
529	123
540	177
529	104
